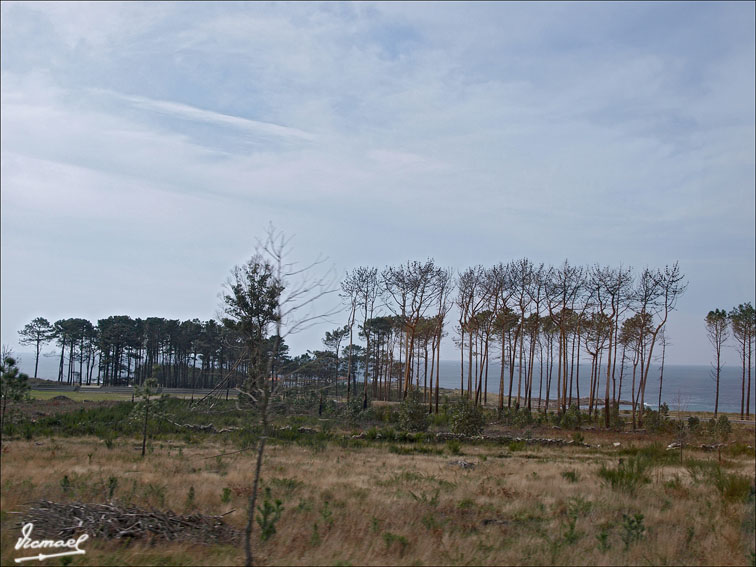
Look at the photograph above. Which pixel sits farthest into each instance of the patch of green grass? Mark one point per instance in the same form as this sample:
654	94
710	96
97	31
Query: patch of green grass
415	449
628	475
570	476
391	538
655	453
454	447
286	485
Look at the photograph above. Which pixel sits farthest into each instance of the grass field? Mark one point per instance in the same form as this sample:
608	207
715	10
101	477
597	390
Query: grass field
80	396
356	501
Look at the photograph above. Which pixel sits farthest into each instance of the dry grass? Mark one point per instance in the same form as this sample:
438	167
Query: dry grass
369	506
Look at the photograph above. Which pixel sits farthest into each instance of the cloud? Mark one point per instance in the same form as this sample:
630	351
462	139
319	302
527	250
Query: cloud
187	112
167	135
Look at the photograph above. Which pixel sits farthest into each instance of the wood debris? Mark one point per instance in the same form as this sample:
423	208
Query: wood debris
63	521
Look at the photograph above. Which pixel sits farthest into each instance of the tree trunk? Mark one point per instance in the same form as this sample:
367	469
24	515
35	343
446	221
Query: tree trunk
144	429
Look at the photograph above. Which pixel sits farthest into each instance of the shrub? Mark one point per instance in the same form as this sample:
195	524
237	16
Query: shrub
654	420
466	418
627	476
633	528
616	420
723	427
570	419
694	424
518	417
454	447
440	419
354	411
270	513
732	487
390	538
570	476
413	413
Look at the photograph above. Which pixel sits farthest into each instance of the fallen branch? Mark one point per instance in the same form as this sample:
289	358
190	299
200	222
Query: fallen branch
107	521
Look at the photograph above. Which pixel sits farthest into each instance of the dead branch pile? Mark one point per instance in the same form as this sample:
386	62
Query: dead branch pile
62	521
209	427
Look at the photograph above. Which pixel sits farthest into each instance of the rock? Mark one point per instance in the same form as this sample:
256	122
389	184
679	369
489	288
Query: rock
673	445
616	444
463	464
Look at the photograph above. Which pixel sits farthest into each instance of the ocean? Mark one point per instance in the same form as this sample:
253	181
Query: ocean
685	387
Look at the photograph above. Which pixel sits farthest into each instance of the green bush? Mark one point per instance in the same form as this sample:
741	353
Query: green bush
354	411
270	513
570	476
628	475
570	419
466	418
518	417
633	529
732	487
655	421
413	413
616	421
454	447
440	419
723	427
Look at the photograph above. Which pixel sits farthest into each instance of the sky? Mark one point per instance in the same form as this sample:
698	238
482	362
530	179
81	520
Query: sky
146	146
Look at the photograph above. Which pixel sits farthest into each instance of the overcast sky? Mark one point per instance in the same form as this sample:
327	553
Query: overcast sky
146	146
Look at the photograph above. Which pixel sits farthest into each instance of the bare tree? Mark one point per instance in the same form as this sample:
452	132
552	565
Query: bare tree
445	285
469	300
665	342
350	293
562	292
365	283
657	295
743	322
271	289
414	287
718	331
611	286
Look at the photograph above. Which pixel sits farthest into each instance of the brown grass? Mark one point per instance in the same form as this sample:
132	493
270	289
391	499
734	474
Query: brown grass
386	509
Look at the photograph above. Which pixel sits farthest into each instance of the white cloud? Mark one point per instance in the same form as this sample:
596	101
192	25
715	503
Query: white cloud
376	132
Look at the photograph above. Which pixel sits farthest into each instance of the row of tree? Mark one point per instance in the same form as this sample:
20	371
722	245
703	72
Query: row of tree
740	323
122	350
520	313
537	320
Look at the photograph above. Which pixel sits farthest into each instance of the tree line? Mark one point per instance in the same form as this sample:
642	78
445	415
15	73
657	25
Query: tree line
537	320
121	350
